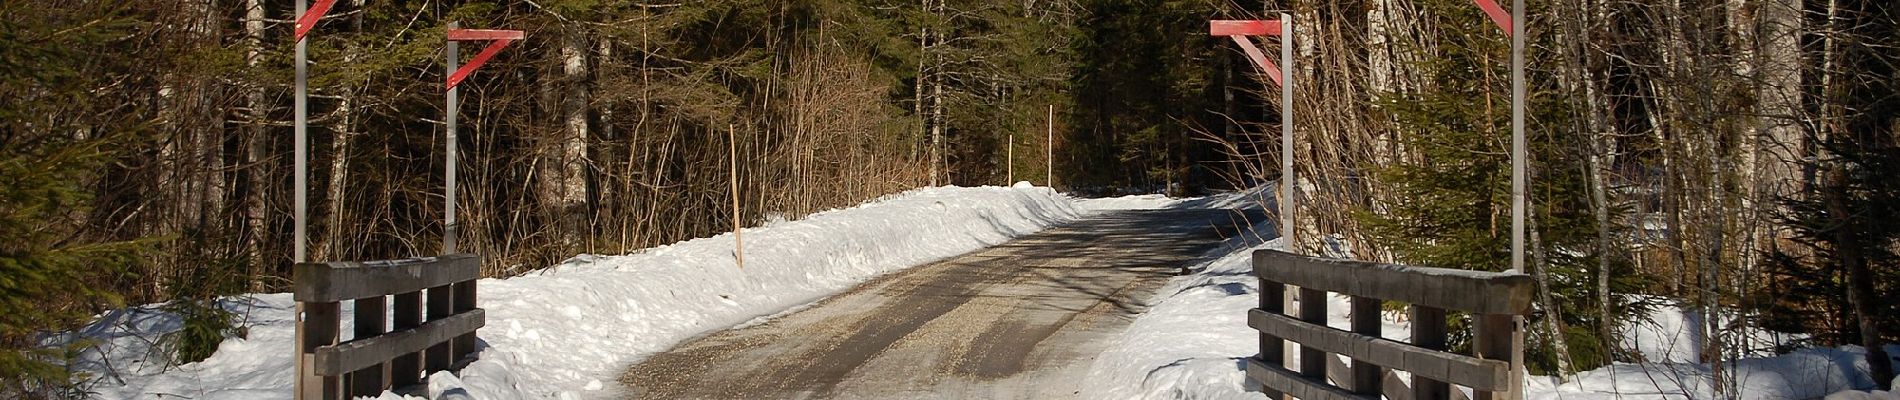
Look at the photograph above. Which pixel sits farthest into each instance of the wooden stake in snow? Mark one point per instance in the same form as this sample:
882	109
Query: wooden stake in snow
738	241
1009	171
1050	145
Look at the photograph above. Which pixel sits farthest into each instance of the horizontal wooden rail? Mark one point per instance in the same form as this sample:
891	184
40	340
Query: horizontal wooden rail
1290	382
351	280
1479	374
1455	289
368	352
1491	299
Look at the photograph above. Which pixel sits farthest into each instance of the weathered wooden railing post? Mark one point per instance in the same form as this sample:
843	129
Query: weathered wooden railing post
464	302
371	321
406	368
320	325
1493	341
1312	311
1493	299
1367	378
437	358
1272	348
1429	332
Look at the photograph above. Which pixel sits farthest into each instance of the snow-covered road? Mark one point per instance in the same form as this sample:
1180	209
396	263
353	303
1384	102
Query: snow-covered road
1020	320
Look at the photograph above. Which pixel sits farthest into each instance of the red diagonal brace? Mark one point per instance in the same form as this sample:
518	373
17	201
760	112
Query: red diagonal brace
310	16
501	37
1239	30
1497	14
1259	59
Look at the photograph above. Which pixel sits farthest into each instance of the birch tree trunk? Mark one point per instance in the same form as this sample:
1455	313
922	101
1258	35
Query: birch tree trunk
1778	98
938	174
255	176
561	168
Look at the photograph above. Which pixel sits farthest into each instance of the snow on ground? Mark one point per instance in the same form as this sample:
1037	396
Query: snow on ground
1255	198
566	332
1136	202
1192	343
1671	335
1810	373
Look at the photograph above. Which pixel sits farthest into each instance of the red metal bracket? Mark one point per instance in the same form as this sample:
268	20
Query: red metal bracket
310	16
1243	27
485	34
1240	30
501	37
1497	14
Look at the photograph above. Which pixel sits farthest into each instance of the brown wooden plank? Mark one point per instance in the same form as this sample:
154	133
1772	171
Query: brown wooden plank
1312	357
1367	378
1292	383
406	369
440	305
1494	341
1429	332
318	328
1480	292
371	320
1442	366
1272	348
464	345
357	354
350	280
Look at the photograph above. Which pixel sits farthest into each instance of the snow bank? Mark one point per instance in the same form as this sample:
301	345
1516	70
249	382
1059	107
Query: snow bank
566	332
1804	374
1672	334
1136	202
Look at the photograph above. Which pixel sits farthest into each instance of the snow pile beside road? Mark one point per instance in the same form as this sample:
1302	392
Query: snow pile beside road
566	332
1136	202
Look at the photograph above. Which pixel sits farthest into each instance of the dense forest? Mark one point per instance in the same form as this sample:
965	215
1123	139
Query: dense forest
1732	156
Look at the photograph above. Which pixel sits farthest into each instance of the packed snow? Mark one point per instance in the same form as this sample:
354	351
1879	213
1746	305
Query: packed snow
567	331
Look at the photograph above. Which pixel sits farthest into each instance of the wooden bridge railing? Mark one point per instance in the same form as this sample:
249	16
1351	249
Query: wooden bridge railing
378	358
1492	299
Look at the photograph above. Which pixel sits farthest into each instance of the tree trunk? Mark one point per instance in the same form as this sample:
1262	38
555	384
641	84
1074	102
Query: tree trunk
1860	276
1553	314
939	172
924	70
561	168
255	176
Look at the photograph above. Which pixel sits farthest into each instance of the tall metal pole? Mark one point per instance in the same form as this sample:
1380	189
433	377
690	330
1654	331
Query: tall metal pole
1050	147
455	104
1287	179
1519	157
300	192
1520	160
300	202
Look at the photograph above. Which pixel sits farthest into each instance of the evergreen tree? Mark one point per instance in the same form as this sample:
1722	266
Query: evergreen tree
1455	210
1839	280
52	275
